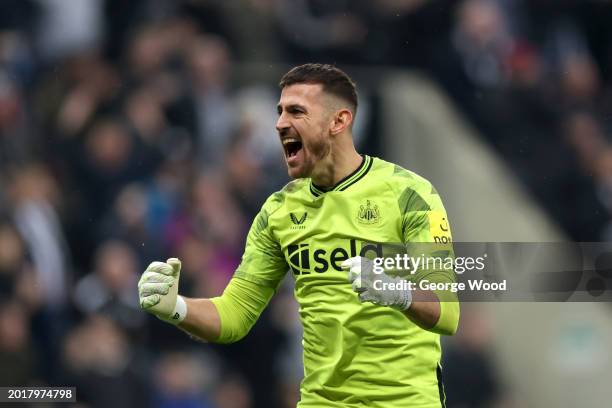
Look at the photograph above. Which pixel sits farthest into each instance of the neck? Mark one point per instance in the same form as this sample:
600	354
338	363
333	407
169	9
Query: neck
336	166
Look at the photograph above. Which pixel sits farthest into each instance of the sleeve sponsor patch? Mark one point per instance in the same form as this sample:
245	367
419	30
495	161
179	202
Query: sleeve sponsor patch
439	227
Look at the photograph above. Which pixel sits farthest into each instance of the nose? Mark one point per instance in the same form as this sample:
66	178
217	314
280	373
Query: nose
282	123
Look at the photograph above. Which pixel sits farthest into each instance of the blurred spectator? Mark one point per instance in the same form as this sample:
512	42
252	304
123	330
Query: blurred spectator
483	41
181	381
250	27
233	393
110	289
12	258
21	280
216	214
210	64
68	27
326	29
133	220
586	137
256	121
580	80
400	32
578	76
144	112
129	218
16	141
17	57
35	196
18	357
110	158
91	84
149	50
99	362
210	234
245	173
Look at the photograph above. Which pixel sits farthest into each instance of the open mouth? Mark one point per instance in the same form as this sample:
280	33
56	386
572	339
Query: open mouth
292	147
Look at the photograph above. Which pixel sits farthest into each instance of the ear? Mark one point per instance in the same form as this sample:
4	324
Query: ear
341	120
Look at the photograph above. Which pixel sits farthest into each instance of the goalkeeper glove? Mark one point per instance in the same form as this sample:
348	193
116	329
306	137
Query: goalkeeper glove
362	277
158	291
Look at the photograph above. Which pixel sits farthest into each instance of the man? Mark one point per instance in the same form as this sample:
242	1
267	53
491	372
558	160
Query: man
363	346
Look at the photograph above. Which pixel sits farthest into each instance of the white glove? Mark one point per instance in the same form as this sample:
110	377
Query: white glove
362	276
158	291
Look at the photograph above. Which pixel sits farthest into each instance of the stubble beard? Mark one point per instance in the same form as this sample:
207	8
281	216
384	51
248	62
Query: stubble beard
320	165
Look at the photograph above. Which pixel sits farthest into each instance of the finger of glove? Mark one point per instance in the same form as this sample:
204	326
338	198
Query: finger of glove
154	277
149	289
352	263
366	296
175	263
161	267
354	268
149	301
353	275
358	286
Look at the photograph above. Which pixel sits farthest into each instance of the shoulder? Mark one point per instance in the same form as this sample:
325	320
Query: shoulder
277	199
399	178
413	191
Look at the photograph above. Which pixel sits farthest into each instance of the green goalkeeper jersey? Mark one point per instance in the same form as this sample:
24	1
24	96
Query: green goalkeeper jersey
355	354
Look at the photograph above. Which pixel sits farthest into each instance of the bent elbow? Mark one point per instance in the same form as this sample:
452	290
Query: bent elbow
447	329
448	322
231	335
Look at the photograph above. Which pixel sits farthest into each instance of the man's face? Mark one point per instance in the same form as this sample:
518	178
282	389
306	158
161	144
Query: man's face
303	127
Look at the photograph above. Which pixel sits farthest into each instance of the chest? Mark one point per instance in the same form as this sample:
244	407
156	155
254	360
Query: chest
317	235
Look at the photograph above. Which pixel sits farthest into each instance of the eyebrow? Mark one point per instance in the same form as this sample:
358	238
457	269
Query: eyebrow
290	107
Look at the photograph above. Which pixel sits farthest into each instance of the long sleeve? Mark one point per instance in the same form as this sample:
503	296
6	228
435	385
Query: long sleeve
426	230
256	279
239	308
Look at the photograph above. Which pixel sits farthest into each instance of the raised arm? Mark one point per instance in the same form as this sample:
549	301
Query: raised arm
224	319
436	311
229	317
425	232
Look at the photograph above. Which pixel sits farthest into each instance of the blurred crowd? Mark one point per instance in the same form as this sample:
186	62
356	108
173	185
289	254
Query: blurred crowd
535	78
127	136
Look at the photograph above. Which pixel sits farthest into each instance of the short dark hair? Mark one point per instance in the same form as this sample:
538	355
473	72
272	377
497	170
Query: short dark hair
334	80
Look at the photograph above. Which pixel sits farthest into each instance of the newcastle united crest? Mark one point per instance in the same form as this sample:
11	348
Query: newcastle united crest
368	213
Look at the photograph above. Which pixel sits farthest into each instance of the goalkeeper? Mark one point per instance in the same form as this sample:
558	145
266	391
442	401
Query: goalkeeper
363	347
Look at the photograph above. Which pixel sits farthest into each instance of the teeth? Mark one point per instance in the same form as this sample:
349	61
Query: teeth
289	140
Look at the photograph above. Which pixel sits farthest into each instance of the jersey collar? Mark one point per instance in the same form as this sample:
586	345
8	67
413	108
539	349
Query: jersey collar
346	182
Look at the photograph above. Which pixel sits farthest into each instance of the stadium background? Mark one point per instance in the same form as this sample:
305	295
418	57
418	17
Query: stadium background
133	131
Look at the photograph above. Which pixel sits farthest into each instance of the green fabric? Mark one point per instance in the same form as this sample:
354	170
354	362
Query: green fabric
239	308
355	354
449	313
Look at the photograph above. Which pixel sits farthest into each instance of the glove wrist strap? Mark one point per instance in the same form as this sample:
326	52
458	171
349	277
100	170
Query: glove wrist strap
179	313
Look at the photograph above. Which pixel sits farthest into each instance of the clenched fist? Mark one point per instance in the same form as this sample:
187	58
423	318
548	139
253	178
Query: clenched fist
158	291
373	287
